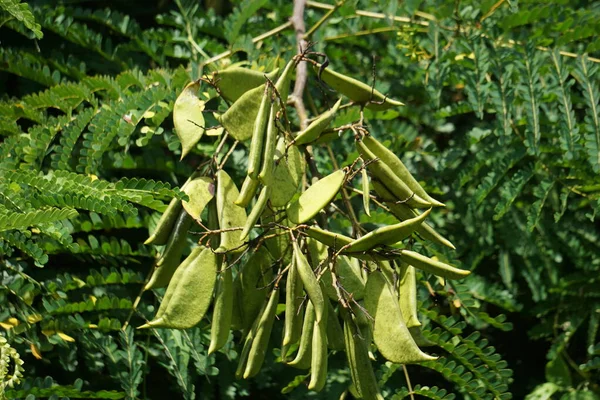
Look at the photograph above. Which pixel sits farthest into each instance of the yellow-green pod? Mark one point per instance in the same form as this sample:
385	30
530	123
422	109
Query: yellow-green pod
200	191
239	119
314	130
310	282
315	198
165	224
330	239
387	235
419	338
233	82
404	212
408	296
318	363
287	175
280	245
348	275
432	266
390	333
357	91
398	167
247	192
260	342
391	181
257	210
170	258
335	333
304	355
213	223
230	215
252	285
222	310
294	294
243	360
192	295
188	118
366	192
258	135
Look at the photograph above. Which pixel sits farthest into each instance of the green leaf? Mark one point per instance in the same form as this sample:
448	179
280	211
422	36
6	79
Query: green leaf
543	391
557	372
22	12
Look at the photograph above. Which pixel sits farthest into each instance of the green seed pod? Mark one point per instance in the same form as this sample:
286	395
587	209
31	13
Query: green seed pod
419	338
335	333
387	235
188	118
432	266
230	215
213	223
239	119
169	260
311	284
287	175
366	192
315	198
404	212
330	239
222	310
304	355
257	210
398	167
318	363
165	224
279	246
249	188
294	294
390	334
314	130
357	91
200	192
233	82
408	296
394	184
252	285
260	342
192	295
255	154
348	275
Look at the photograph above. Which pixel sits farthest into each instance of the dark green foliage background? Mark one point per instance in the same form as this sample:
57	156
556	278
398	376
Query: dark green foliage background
498	124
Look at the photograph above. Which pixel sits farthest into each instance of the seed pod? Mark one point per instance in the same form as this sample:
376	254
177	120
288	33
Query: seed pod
294	293
258	135
390	334
348	275
200	192
311	284
366	194
387	235
432	266
315	198
249	188
260	342
419	338
398	167
165	224
304	355
331	239
230	215
239	119
252	285
176	279
222	310
169	260
391	181
188	118
404	212
335	333
408	296
318	363
192	295
213	223
314	130
257	210
357	91
361	370
287	175
279	246
233	82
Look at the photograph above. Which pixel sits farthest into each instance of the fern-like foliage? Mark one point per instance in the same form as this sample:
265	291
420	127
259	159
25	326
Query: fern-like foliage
22	13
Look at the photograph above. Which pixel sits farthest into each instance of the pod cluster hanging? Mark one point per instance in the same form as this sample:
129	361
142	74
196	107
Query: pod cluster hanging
263	241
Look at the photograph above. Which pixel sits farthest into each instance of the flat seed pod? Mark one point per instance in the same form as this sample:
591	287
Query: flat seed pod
255	154
191	296
239	119
165	224
330	239
357	91
170	258
310	282
200	191
432	266
408	296
335	333
366	192
314	130
287	175
247	192
349	275
318	363
279	246
387	235
294	294
233	82
303	357
230	215
404	212
260	342
315	198
222	310
398	167
252	285
257	210
188	118
390	334
385	175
